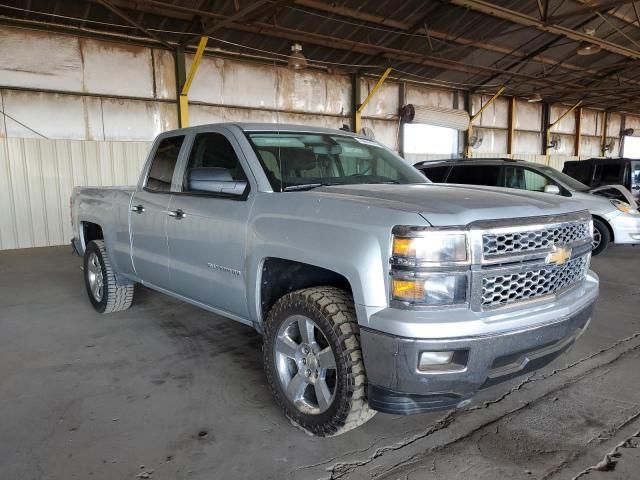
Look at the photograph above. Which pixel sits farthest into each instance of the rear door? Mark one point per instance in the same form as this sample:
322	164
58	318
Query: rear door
148	214
207	233
526	179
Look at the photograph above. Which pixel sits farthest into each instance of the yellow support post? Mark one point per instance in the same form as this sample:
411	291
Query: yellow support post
554	124
184	93
477	114
361	107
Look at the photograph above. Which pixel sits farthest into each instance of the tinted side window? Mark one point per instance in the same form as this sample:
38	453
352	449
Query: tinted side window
213	150
475	175
163	164
608	173
579	171
435	174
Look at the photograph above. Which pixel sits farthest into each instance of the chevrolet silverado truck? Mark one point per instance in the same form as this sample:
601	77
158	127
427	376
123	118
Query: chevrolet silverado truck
374	289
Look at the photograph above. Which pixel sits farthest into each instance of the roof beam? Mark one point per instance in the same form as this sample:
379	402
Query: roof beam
240	15
444	37
131	21
588	9
497	11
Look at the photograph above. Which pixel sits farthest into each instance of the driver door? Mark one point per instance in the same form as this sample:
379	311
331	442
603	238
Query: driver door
207	232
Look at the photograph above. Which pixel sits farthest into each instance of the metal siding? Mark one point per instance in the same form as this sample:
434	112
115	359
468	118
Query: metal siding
165	74
36	178
567	124
35	59
430	97
528	116
116	69
384	104
495	115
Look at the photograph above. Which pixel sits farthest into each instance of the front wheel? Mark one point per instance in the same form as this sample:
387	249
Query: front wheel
601	236
313	361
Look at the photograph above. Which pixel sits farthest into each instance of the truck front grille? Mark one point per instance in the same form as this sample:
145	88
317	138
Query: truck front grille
509	287
494	244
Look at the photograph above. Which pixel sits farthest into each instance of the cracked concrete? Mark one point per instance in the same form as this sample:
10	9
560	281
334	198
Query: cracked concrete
181	391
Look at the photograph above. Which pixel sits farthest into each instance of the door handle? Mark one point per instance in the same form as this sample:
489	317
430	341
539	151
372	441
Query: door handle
137	209
177	214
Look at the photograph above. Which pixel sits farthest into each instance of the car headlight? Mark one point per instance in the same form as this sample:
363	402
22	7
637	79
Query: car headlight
624	207
431	289
429	267
415	247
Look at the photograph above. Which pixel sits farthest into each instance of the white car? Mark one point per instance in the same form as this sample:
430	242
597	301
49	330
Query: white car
614	220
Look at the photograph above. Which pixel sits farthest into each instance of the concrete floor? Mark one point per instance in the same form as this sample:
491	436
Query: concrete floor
167	391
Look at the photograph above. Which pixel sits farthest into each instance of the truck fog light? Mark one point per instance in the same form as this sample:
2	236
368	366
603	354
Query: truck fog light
430	359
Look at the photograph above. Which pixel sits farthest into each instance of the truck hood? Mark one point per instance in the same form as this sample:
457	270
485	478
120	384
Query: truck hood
450	204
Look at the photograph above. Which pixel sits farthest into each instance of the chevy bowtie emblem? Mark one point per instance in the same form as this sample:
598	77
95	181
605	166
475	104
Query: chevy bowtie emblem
558	255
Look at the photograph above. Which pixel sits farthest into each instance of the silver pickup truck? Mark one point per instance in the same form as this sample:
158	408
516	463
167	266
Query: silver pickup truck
374	289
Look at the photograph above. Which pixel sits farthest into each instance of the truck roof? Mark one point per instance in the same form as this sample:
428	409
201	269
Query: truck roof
256	127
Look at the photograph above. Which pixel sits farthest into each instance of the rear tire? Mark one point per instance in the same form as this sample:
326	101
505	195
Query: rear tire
313	361
601	236
105	293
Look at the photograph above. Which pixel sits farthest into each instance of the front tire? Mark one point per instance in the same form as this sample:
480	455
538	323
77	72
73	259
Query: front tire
313	361
601	236
105	293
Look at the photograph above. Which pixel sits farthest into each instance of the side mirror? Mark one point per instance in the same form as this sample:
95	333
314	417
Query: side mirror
552	189
214	180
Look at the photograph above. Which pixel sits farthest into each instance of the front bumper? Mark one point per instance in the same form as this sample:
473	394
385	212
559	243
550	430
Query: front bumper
397	386
626	228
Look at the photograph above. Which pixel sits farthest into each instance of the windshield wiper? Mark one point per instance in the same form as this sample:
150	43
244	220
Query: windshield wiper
307	186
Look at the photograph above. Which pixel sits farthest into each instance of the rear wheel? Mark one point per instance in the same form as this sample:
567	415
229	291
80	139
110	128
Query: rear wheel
601	236
106	294
314	363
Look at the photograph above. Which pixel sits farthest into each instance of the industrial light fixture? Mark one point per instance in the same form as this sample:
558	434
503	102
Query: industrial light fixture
297	60
587	48
536	97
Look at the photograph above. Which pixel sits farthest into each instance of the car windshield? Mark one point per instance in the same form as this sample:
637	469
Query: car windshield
569	182
302	160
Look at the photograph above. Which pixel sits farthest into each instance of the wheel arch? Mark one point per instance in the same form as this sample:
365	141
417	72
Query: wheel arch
608	225
279	276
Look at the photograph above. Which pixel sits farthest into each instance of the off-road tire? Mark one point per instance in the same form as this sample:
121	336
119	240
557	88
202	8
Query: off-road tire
333	312
605	236
116	296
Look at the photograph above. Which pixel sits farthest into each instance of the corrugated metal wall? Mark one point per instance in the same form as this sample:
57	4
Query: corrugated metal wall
36	178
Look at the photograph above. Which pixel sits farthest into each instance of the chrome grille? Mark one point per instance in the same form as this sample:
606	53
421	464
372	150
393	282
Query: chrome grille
494	244
503	289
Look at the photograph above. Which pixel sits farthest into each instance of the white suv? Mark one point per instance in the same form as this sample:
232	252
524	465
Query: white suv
614	220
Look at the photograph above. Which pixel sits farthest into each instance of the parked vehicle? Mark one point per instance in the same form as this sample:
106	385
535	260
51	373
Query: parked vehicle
613	220
596	172
375	289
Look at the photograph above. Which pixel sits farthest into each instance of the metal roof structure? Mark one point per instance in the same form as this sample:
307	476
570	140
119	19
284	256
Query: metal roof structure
531	46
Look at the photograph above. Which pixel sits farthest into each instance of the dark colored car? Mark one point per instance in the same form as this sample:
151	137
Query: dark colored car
596	172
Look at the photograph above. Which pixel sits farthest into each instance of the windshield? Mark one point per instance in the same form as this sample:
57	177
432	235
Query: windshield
295	160
569	182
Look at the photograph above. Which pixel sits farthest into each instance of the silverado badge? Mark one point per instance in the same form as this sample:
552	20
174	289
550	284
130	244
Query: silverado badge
558	255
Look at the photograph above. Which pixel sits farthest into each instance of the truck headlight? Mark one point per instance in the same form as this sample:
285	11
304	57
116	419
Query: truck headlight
431	289
415	247
624	207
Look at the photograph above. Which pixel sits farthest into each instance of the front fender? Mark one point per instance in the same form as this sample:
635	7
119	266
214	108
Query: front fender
351	240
